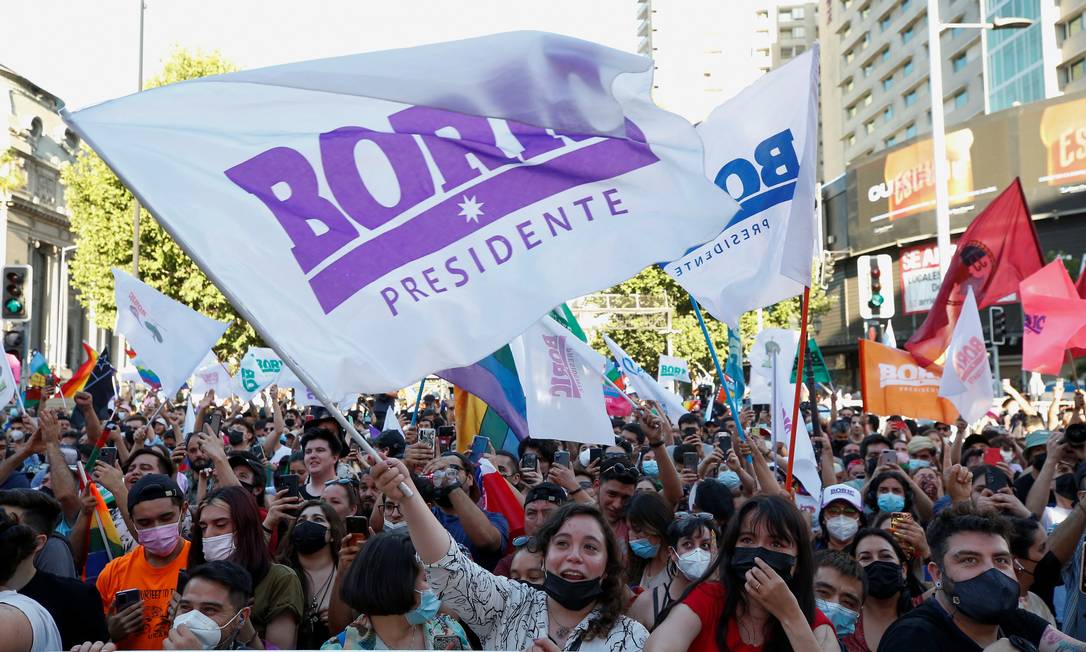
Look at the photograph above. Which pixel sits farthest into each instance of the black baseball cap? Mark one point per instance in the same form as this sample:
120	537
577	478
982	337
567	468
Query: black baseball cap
152	487
245	458
547	491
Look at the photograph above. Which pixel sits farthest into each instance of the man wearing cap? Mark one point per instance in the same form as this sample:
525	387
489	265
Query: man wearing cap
841	517
156	505
1035	452
617	482
539	503
922	449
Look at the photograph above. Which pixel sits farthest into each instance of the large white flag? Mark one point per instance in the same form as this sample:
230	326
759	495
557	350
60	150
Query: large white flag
259	368
347	205
645	385
303	396
170	338
561	377
8	386
392	422
760	148
967	377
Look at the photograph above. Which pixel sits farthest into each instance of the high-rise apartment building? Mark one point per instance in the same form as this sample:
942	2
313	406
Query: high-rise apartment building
1070	44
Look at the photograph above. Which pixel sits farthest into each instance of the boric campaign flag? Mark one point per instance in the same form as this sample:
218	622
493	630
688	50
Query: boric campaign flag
170	338
1055	318
561	377
760	148
995	253
212	375
893	382
259	368
347	205
672	368
302	395
645	385
967	378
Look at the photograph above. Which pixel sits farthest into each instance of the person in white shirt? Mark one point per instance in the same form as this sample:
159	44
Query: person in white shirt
25	623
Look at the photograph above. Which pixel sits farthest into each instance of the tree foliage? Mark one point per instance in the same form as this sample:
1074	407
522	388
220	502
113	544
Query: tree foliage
100	208
688	342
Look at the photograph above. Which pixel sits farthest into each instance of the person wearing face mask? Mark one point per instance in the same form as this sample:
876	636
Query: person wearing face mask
227	528
583	597
840	518
214	610
1035	452
891	492
840	588
648	517
761	596
312	547
888	596
975	605
397	608
691	540
156	505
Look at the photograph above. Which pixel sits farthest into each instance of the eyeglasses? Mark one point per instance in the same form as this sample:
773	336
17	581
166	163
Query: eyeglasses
701	516
840	510
342	481
391	507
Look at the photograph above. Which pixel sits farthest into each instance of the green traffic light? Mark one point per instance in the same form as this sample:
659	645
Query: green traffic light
877	300
13	306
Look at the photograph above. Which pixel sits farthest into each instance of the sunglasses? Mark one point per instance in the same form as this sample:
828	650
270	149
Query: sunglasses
342	481
701	516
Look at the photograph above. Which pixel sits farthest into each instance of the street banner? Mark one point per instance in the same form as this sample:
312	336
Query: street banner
1054	318
561	378
348	205
893	382
259	368
967	376
672	369
645	385
995	253
760	149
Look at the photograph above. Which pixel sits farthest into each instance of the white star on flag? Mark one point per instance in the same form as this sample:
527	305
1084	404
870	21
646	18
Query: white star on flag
470	209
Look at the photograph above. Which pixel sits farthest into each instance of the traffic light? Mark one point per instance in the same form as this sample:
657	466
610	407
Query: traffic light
875	277
18	279
997	324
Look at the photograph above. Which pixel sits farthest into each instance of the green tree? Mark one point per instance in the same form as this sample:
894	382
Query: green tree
100	208
688	342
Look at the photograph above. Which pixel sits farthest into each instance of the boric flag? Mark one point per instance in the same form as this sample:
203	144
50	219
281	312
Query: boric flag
995	253
259	368
645	385
212	375
967	378
1055	318
672	368
760	148
561	378
347	205
170	338
302	395
892	381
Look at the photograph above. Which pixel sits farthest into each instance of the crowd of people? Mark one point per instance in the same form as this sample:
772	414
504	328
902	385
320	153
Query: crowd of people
266	527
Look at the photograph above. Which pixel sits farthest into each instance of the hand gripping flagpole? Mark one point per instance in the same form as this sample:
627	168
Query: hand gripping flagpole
303	375
799	385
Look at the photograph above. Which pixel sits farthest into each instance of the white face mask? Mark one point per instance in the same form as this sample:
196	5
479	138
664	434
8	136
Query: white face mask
205	630
842	528
693	564
219	548
584	457
389	526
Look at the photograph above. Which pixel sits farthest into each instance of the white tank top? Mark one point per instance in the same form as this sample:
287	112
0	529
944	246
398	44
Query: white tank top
46	634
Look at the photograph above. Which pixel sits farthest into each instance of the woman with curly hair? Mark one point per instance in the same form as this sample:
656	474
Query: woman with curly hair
583	597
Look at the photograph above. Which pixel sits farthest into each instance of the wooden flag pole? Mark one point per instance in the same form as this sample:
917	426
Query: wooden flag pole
799	386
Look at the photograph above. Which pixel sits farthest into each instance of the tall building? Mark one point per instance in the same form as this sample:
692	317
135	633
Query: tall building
1070	45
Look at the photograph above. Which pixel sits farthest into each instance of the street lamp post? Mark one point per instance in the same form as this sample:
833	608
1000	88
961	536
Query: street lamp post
938	125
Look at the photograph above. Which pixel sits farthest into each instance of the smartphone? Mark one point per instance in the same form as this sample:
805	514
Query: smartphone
725	443
595	454
427	436
444	444
108	455
529	462
993	455
888	458
358	525
690	462
994	479
182	580
125	599
448	432
288	482
561	458
1081	571
258	452
478	448
215	421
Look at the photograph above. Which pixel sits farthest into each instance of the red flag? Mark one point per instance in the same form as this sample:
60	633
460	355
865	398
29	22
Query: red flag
995	253
1055	318
1081	287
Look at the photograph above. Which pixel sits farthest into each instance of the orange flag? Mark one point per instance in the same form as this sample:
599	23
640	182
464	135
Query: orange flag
893	382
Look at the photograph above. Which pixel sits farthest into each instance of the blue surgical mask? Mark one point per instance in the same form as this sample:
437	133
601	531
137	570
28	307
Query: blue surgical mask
157	441
729	479
844	620
891	503
429	603
650	467
918	464
644	549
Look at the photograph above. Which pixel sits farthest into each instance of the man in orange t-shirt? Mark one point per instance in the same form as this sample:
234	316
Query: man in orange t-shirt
156	504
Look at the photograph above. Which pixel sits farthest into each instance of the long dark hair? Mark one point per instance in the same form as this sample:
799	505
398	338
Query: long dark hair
289	556
871	494
250	548
648	512
782	520
912	584
612	602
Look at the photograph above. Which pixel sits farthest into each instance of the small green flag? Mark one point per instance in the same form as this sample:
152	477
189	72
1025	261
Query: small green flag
814	361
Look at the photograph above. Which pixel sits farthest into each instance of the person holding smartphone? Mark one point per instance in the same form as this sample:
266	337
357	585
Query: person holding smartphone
456	495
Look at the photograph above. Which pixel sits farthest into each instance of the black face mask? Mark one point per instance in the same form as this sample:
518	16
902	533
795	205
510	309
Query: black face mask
883	579
1065	486
985	598
572	595
743	560
1038	461
235	437
309	537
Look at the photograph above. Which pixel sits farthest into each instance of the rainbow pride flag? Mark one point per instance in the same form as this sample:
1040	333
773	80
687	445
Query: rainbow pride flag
103	541
38	377
79	379
476	417
146	375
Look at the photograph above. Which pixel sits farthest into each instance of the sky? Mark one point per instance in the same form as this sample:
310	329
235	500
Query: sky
87	51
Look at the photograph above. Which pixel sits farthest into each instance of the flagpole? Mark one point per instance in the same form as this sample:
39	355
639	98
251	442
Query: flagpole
418	400
716	363
799	375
